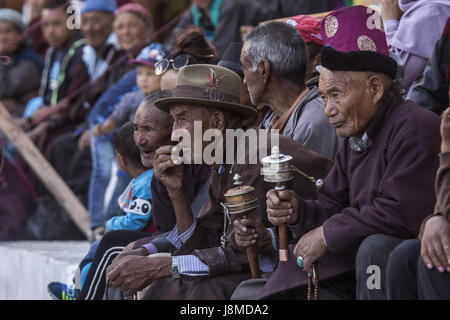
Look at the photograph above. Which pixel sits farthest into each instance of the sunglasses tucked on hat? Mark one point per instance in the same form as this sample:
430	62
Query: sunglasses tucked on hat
149	56
308	27
354	40
207	85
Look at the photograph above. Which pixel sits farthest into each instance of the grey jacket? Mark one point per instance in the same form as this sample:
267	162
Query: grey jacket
309	126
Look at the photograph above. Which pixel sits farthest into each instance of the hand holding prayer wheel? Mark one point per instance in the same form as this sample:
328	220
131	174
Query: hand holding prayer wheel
239	201
282	205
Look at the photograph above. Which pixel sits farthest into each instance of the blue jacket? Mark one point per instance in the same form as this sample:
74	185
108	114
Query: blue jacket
136	203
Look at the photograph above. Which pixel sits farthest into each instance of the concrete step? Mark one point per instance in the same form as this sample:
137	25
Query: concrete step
27	267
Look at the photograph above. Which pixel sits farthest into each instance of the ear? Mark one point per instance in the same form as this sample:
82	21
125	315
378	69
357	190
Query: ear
218	121
316	61
121	158
376	88
264	69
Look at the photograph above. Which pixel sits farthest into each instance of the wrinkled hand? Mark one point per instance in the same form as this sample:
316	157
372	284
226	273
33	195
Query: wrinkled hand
311	247
39	134
84	140
249	232
282	207
390	10
135	273
445	131
170	174
435	244
139	252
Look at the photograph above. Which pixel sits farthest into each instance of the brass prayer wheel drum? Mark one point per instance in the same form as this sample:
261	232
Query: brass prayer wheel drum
276	167
241	198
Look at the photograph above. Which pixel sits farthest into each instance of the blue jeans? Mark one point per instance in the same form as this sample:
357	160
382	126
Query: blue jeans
103	157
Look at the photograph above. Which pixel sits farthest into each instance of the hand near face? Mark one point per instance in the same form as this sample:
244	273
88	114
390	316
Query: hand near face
311	247
164	169
249	232
435	244
135	273
282	207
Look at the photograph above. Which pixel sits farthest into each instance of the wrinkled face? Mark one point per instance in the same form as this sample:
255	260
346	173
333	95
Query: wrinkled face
54	27
96	26
184	117
8	37
146	79
131	31
149	135
347	101
252	79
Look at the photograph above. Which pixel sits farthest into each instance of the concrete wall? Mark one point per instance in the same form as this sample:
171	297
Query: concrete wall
27	267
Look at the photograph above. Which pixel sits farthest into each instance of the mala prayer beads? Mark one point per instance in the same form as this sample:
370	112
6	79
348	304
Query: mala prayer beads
313	279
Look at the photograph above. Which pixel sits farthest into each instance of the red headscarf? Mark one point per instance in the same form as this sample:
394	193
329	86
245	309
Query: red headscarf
308	27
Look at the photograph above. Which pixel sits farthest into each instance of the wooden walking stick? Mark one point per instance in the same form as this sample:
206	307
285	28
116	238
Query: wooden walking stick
277	169
239	201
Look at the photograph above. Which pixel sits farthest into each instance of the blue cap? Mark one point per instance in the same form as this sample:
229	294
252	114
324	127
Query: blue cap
150	55
99	5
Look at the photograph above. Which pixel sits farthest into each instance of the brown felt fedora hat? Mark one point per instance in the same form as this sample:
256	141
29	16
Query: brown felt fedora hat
207	85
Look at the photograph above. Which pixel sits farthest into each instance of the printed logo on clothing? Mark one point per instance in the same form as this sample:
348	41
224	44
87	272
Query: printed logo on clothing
140	206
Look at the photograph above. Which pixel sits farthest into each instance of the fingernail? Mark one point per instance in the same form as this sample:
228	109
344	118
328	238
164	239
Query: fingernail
440	269
253	241
448	269
244	229
448	261
429	266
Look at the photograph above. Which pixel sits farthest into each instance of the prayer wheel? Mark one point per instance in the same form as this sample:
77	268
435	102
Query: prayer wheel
277	169
239	201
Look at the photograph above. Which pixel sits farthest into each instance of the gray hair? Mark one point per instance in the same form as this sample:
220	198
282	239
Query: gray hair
283	46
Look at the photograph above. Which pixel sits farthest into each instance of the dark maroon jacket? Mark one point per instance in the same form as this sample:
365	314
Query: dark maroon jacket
388	189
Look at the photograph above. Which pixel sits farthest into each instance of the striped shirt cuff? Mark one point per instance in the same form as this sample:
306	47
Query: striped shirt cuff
191	265
178	240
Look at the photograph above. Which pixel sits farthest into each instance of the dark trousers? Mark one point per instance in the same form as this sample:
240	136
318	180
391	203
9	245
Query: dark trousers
409	279
370	266
109	247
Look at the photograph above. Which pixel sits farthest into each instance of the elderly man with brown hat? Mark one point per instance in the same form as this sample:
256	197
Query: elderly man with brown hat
205	261
381	185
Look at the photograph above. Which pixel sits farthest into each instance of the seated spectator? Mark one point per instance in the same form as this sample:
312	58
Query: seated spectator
309	28
380	187
202	248
278	80
432	92
420	269
220	20
190	47
412	29
32	10
132	25
62	74
136	199
20	79
147	82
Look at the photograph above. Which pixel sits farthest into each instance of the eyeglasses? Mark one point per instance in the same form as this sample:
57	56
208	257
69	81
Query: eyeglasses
177	63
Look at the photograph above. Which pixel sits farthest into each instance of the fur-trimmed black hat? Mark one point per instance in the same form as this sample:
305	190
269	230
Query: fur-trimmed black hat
354	40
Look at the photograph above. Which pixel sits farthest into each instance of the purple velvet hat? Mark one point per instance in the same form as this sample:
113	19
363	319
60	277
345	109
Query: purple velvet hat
354	40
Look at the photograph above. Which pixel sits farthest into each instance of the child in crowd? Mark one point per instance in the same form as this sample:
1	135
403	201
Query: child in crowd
135	202
124	111
147	82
